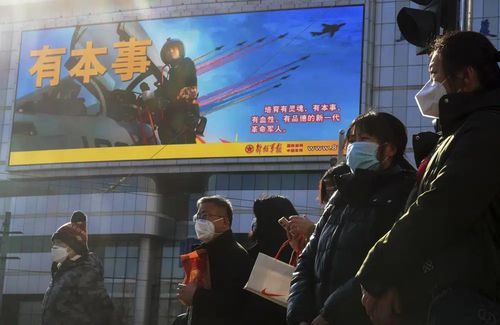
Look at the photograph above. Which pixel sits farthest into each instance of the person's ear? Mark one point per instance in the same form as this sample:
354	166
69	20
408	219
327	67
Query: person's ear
387	152
470	79
71	251
226	223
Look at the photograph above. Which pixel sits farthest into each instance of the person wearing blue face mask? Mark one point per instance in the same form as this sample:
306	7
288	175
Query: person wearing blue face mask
362	155
440	263
371	193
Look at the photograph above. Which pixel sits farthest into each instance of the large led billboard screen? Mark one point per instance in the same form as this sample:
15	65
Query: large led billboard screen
274	83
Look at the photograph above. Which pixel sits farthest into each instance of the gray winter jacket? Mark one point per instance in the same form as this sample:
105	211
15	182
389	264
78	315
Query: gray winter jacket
76	294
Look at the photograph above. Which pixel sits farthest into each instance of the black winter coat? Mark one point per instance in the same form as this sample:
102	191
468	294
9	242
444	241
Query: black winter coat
76	294
180	117
182	74
365	206
449	237
230	267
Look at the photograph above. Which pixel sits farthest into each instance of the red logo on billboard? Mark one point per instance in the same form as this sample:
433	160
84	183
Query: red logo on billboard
249	149
295	147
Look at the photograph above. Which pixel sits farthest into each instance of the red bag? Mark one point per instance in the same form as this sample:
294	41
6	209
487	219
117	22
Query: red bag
196	268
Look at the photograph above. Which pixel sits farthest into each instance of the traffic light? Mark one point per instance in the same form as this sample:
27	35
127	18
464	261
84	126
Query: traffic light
421	26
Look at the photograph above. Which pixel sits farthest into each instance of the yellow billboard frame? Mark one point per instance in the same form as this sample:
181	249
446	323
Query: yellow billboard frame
180	151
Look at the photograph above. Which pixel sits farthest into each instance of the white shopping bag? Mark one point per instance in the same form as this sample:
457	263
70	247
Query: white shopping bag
270	279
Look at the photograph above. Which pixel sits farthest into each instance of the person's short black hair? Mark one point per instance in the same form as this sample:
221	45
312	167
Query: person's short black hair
268	210
219	201
461	49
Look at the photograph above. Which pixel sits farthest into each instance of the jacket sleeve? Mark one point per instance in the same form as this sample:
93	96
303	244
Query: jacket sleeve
344	304
456	199
191	79
95	298
302	296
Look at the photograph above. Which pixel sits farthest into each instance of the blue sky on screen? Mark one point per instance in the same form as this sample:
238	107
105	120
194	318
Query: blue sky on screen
332	73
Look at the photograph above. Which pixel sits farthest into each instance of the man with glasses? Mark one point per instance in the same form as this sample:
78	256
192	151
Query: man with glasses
229	265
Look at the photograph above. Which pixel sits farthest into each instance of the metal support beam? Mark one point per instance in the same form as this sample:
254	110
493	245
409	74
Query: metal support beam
3	254
467	15
340	154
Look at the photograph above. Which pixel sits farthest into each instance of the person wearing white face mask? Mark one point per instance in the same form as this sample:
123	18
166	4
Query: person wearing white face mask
428	98
371	194
76	294
229	266
440	263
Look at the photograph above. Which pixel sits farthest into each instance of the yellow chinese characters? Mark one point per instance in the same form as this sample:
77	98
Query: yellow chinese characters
132	58
88	65
48	65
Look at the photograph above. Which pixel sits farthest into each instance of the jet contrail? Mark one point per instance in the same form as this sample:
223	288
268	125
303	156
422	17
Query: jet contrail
234	55
234	102
243	87
205	65
208	53
233	97
225	50
251	79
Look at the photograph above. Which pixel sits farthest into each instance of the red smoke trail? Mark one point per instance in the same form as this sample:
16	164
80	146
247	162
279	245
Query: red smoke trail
225	56
210	65
256	77
240	89
236	101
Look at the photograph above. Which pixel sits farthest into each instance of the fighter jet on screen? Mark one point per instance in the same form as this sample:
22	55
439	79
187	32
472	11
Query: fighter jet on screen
60	117
328	29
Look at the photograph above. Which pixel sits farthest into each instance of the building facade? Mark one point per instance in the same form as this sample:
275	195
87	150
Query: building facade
140	211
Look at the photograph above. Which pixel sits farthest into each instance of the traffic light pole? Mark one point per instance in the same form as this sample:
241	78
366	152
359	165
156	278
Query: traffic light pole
3	254
340	152
467	14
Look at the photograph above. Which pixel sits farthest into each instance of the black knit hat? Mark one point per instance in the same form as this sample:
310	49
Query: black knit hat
74	233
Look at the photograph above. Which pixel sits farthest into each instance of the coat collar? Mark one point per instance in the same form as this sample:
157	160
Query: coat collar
455	108
360	186
69	264
222	241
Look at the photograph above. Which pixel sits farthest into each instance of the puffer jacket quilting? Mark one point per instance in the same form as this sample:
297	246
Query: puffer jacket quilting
365	206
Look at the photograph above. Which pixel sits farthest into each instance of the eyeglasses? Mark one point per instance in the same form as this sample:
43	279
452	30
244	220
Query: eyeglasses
206	216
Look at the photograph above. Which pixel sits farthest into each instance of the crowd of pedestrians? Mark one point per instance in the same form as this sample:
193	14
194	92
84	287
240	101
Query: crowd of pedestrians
394	245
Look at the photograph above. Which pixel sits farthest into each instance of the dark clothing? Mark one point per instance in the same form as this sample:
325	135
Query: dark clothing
424	144
181	115
230	267
181	319
364	207
259	310
179	124
285	255
463	307
182	73
449	237
76	294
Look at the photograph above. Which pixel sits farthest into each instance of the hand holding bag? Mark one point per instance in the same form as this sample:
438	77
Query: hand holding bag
270	278
196	268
